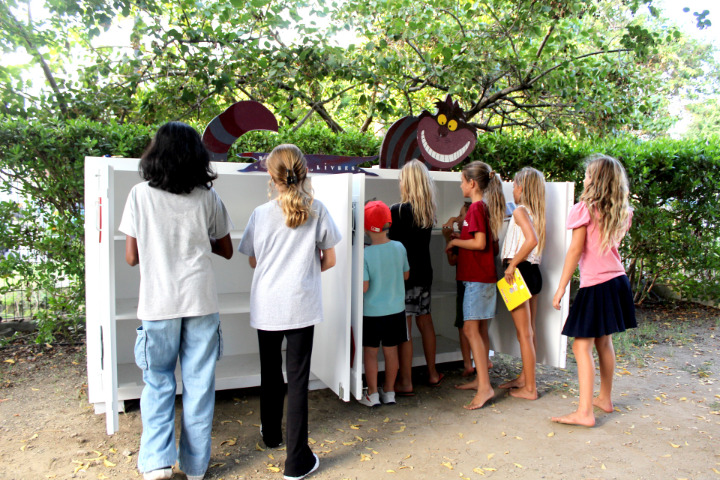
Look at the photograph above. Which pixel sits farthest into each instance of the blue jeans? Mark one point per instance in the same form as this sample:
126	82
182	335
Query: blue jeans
197	341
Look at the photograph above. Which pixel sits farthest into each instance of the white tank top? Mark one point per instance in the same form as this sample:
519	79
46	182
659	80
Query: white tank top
514	239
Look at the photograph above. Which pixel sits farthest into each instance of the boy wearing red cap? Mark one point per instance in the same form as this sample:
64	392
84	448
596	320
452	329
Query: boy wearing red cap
385	270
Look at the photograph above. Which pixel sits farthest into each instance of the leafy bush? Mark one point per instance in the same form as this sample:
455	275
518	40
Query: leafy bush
675	187
41	167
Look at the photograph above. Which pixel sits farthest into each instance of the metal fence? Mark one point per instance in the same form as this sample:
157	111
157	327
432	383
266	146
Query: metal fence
21	305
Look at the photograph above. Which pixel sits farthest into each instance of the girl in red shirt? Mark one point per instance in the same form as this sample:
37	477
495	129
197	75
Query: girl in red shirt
476	268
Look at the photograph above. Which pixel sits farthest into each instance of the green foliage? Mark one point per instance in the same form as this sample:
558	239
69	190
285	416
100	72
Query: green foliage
705	118
315	139
41	168
586	67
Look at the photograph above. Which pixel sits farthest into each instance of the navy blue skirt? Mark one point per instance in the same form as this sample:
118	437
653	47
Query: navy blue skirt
601	310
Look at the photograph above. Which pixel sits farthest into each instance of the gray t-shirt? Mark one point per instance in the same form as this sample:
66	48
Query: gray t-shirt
286	289
172	232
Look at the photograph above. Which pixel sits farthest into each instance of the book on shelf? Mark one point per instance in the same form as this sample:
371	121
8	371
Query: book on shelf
514	294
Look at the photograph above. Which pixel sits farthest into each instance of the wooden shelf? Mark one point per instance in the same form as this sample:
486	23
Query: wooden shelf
231	372
234	234
229	303
243	371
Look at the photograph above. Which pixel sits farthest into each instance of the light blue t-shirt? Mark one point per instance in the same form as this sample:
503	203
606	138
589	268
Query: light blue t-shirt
384	267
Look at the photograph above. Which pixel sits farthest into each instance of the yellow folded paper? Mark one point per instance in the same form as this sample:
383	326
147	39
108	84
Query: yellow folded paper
515	294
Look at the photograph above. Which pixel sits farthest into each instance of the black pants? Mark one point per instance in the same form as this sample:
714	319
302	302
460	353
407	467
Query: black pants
272	393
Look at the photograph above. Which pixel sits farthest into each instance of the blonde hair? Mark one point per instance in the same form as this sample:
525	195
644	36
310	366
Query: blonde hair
607	197
418	189
491	188
532	183
287	167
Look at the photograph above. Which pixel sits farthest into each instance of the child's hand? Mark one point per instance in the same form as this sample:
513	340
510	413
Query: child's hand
450	223
450	245
558	298
510	275
447	233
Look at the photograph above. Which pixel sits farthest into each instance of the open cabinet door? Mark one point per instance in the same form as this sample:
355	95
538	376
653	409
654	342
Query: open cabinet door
331	346
551	343
106	300
358	238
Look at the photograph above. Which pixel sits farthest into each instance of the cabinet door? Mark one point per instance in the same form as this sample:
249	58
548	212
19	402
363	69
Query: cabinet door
106	298
551	344
358	238
331	346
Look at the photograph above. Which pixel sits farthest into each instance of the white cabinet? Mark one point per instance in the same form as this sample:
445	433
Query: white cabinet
112	285
552	345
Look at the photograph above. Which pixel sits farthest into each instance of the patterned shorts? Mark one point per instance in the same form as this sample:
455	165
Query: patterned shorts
417	301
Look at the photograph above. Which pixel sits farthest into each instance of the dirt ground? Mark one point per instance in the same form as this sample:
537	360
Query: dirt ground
666	424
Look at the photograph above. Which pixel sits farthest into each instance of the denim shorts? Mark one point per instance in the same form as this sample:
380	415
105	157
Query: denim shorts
479	301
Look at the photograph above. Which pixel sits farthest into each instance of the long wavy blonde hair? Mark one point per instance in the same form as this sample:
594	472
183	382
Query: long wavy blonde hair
532	183
418	189
288	172
607	196
491	188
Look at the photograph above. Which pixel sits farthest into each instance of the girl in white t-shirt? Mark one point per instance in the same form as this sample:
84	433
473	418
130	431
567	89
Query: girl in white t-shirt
173	223
289	240
522	250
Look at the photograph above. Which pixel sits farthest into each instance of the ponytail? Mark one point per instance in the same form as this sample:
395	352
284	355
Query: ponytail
495	200
491	188
287	167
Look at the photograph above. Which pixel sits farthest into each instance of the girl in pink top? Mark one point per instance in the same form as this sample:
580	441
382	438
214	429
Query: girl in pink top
604	303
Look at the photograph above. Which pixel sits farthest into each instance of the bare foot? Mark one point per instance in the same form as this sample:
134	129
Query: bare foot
468	386
604	405
480	399
468	371
576	418
403	389
517	383
524	393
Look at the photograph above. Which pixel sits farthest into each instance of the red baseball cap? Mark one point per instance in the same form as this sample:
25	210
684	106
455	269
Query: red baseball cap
377	214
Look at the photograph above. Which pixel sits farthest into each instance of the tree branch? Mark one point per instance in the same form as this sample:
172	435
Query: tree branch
462	29
38	56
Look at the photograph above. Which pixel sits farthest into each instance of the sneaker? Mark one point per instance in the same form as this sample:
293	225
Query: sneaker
159	474
388	398
315	467
371	400
196	477
271	444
